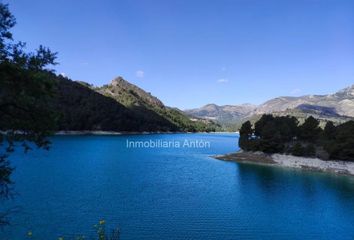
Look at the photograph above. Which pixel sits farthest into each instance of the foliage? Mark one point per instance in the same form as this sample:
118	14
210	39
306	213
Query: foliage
310	150
329	132
284	135
270	133
298	150
144	105
341	146
309	130
25	92
81	108
245	135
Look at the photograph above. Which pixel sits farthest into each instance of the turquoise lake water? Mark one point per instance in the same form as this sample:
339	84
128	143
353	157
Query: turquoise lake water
171	193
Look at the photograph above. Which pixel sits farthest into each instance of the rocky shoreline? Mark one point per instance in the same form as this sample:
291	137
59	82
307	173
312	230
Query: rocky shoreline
313	164
89	132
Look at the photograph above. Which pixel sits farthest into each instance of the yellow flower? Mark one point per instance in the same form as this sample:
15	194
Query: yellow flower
102	222
29	234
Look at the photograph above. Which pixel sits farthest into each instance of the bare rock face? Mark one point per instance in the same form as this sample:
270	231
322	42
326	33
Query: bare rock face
129	94
224	113
340	103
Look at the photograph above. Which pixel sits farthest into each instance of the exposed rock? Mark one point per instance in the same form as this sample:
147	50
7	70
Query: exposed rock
337	107
313	164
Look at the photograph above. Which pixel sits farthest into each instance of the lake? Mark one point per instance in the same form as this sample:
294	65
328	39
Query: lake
174	192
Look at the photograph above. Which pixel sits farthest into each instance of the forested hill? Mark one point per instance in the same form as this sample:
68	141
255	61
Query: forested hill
119	106
142	102
129	94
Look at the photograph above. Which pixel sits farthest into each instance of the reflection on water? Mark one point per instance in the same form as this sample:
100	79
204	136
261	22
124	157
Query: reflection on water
173	193
274	180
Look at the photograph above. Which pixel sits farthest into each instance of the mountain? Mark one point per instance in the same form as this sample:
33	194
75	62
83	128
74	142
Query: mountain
225	115
81	108
142	102
119	106
342	102
337	107
129	94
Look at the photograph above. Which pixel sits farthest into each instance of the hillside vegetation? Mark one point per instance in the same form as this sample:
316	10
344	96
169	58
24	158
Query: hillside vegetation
142	103
81	108
285	135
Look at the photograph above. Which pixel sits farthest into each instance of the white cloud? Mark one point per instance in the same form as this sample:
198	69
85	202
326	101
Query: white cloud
295	91
223	80
63	74
139	73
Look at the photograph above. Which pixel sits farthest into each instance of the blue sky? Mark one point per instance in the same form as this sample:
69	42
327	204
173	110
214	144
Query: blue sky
193	52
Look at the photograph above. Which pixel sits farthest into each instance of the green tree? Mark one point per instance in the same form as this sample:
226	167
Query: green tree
283	134
298	150
310	130
271	139
287	127
26	90
246	132
259	126
342	145
310	150
329	131
273	132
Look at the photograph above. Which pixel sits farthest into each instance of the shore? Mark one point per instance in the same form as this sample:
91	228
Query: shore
313	164
99	133
88	132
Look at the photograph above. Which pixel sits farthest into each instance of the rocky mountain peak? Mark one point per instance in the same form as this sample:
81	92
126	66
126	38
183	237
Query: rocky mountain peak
119	81
346	92
333	106
130	94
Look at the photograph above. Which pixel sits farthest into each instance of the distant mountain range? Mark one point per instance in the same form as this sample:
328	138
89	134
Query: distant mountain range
118	106
337	107
225	115
122	106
